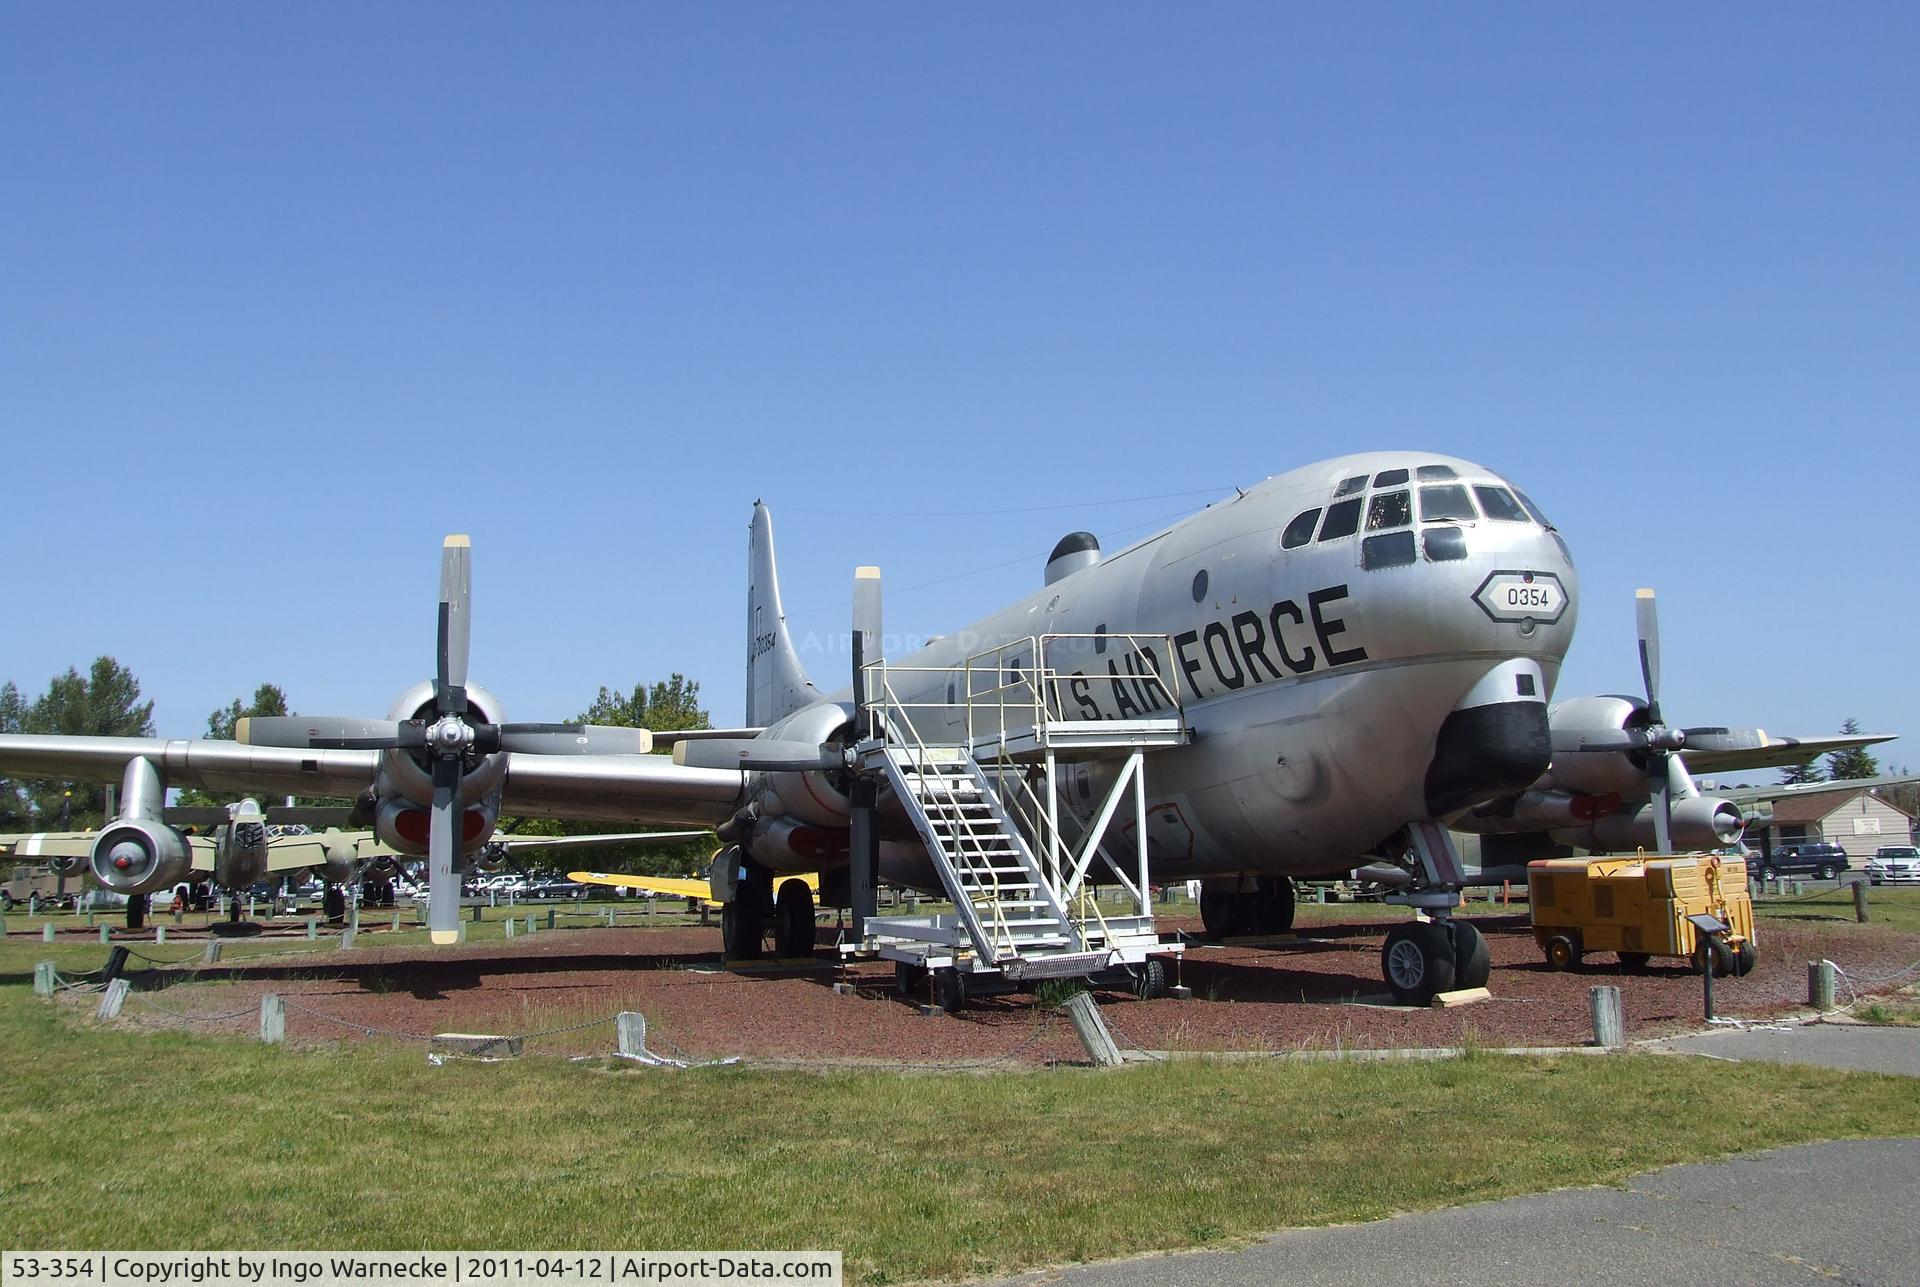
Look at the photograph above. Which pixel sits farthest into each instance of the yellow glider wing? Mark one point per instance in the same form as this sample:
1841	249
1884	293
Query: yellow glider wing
670	886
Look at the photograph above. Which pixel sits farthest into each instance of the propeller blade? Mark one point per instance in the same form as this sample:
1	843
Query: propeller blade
443	885
1662	798
456	602
866	629
1575	740
1647	621
1725	739
304	732
574	739
759	754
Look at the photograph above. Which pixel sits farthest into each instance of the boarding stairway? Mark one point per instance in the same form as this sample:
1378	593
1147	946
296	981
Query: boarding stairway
979	776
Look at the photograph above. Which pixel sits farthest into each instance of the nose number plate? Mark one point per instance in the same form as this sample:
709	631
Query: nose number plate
1522	596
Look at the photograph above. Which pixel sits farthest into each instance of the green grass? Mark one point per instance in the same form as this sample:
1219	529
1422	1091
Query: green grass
120	1138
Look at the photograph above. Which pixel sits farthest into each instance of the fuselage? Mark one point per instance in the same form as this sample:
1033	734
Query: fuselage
1355	644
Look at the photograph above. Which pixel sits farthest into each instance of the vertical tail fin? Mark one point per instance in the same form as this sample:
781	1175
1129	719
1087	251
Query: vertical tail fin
777	686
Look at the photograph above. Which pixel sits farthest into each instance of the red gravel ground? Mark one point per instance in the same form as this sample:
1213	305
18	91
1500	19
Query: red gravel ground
1321	990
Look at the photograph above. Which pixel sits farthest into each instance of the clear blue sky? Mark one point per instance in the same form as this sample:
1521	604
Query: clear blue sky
289	291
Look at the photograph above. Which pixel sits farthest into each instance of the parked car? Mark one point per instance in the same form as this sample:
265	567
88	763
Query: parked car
1894	865
1820	860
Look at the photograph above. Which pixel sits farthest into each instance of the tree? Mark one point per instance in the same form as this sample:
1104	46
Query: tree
1854	761
104	703
1795	774
671	705
15	808
268	699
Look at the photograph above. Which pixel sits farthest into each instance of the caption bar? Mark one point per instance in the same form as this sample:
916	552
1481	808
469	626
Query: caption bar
412	1269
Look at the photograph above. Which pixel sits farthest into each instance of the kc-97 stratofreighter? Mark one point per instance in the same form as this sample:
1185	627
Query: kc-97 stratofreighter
1360	653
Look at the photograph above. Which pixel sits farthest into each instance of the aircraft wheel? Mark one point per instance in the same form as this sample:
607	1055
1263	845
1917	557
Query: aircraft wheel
950	989
136	911
1634	961
1217	913
740	931
1417	961
333	903
1472	963
1275	903
1745	957
1562	954
1150	980
794	916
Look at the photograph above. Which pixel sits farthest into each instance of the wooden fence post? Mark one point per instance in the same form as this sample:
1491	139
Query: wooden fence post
1608	1031
1820	985
1092	1028
273	1019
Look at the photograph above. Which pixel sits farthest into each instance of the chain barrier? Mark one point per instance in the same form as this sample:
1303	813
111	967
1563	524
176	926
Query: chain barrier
1042	1024
146	999
1127	1043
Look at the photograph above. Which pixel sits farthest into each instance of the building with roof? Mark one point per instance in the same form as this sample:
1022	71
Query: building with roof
1852	817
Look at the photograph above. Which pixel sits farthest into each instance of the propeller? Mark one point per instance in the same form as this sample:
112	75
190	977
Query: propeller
761	755
1658	742
445	735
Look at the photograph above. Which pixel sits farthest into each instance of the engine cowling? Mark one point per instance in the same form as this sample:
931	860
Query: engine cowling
404	775
818	797
139	856
1703	822
1598	772
402	824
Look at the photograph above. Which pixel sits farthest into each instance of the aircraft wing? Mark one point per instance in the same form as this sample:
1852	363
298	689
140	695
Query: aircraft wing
48	844
1773	752
515	844
645	789
1787	790
667	886
226	768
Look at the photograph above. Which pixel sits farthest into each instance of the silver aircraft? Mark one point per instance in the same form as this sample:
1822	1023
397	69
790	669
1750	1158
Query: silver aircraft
1364	650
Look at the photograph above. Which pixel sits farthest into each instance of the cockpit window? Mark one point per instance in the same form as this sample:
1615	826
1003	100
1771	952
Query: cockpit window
1442	504
1300	531
1343	519
1389	509
1429	472
1348	486
1390	478
1533	509
1499	504
1388	550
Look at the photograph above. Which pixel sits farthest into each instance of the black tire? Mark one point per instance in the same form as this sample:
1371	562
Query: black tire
740	931
1273	905
1562	953
1745	957
1217	913
136	911
8	902
1150	980
1723	959
333	903
1417	962
950	989
1825	872
1634	961
910	980
1767	872
1472	962
793	914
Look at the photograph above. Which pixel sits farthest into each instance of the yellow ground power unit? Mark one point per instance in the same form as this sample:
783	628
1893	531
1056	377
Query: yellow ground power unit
1642	907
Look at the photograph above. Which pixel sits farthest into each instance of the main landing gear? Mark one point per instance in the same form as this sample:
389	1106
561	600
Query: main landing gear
1266	908
136	911
746	918
1425	958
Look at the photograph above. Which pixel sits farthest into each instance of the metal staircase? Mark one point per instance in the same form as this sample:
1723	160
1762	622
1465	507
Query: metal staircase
979	780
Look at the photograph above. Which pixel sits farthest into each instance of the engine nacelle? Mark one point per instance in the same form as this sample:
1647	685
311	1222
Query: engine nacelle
240	853
139	856
401	824
1700	823
786	845
402	774
1598	772
818	797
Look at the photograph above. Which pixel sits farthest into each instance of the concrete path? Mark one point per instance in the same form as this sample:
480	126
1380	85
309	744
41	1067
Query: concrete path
1856	1047
1837	1212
